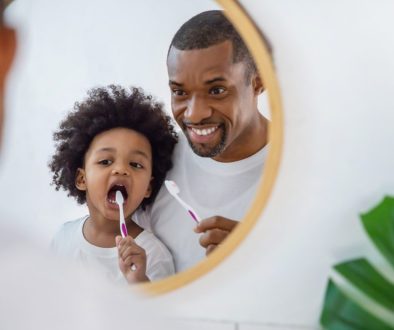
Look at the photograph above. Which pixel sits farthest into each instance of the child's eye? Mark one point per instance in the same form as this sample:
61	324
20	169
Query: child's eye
136	165
105	162
217	90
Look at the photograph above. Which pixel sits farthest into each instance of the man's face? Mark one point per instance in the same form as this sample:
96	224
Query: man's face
212	102
7	48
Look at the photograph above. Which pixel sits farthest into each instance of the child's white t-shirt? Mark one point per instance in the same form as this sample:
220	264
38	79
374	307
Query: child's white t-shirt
69	242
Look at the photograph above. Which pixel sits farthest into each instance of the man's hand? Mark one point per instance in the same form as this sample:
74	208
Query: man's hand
132	260
215	229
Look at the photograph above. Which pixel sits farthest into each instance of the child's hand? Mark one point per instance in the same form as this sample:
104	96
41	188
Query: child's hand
132	260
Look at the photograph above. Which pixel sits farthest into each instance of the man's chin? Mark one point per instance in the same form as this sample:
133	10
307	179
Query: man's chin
210	150
204	150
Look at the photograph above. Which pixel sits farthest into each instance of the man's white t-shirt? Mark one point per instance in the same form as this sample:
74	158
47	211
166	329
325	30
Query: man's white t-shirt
70	242
211	188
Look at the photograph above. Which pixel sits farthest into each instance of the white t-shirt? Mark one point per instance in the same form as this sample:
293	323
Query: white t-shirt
69	242
211	188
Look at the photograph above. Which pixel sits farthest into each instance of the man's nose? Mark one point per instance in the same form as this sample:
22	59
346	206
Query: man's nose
197	110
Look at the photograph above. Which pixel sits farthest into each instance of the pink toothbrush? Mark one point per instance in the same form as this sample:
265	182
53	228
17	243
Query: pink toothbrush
123	229
173	189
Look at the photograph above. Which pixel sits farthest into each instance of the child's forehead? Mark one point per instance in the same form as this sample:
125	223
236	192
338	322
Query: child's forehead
120	138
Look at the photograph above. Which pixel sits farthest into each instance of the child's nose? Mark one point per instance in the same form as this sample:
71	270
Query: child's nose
120	171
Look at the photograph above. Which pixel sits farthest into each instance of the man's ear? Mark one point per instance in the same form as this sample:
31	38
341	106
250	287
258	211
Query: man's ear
257	83
149	190
80	179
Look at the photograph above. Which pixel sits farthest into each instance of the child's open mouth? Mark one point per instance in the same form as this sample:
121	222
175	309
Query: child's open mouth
111	197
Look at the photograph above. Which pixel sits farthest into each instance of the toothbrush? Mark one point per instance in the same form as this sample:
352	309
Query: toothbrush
123	229
119	199
173	189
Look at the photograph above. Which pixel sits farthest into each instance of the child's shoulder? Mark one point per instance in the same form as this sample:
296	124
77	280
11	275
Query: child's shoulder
70	228
68	231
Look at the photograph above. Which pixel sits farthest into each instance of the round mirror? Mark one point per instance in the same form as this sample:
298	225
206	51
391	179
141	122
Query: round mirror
65	49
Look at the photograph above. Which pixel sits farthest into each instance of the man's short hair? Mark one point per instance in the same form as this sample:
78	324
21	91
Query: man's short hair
211	28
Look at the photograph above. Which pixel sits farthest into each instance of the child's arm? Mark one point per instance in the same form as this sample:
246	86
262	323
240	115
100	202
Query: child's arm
131	254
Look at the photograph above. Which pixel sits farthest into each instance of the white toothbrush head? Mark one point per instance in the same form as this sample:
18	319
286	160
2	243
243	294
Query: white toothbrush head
172	187
119	198
174	190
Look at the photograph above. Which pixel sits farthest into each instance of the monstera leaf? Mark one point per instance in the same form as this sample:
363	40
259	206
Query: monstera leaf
342	313
365	298
379	224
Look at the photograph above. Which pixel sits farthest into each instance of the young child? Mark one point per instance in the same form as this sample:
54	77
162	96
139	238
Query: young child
114	140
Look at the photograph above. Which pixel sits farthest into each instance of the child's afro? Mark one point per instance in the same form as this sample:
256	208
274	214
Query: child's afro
107	108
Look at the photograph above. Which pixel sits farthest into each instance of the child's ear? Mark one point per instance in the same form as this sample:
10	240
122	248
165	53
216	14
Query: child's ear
80	180
149	190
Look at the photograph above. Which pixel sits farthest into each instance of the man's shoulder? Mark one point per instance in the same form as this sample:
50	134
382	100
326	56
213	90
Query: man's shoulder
150	242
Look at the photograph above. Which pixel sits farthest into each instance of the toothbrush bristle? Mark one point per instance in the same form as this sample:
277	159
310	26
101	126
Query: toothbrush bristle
119	197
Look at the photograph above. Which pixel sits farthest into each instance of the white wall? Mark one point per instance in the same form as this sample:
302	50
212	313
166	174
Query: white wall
66	48
336	74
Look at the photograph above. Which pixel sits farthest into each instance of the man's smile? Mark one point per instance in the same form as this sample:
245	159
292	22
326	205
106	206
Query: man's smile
204	131
203	134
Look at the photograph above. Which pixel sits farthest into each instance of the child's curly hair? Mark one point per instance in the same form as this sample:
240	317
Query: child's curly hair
107	108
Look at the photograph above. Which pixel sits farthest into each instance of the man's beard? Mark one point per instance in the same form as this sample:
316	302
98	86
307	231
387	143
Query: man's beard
211	152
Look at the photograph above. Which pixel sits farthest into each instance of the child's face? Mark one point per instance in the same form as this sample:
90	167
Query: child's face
118	159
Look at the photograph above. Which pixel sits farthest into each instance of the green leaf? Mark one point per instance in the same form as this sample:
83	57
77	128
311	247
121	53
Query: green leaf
341	313
362	275
379	224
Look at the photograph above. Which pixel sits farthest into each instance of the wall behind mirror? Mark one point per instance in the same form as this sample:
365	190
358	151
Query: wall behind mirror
65	49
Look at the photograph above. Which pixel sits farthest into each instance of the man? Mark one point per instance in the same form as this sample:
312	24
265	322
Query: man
214	91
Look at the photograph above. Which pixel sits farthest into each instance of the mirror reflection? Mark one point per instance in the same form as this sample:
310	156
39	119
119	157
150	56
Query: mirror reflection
108	155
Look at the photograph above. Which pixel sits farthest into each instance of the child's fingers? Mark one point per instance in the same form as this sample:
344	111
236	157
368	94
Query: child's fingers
129	249
136	261
123	243
122	265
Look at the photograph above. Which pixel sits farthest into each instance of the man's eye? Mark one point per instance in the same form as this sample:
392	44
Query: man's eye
178	92
105	162
136	165
217	90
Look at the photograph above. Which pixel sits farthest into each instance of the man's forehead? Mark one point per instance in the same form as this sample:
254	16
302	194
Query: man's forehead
215	53
214	59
